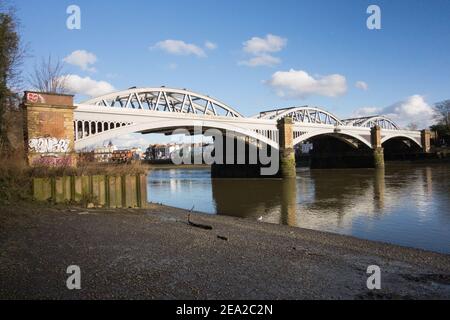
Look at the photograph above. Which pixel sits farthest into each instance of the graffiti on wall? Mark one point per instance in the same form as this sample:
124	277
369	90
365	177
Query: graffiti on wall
52	161
35	97
49	145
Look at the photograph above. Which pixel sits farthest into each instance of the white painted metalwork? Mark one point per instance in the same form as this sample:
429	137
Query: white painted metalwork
86	128
382	121
164	109
165	99
303	114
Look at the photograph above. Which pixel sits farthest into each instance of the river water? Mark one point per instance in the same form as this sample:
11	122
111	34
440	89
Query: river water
405	205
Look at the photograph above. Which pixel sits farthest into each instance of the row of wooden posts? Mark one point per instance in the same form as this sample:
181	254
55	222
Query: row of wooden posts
127	191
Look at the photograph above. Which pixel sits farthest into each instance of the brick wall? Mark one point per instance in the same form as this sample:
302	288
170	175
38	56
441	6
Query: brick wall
375	137
49	131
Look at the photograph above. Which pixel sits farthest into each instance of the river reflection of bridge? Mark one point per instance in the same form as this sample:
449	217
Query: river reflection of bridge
321	199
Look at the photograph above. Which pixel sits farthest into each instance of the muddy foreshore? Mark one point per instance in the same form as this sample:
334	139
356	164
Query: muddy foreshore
155	253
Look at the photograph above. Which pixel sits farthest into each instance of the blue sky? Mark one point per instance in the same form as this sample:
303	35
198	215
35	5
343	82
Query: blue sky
404	67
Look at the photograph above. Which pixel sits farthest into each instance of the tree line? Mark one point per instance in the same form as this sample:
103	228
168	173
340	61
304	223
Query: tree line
47	76
442	125
11	57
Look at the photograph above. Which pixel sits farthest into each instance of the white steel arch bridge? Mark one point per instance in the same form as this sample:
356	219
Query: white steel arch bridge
148	110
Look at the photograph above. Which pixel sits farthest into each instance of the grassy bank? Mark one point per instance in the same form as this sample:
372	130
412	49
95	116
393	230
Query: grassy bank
16	176
15	180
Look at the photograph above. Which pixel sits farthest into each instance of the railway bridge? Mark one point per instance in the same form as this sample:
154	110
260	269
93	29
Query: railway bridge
162	110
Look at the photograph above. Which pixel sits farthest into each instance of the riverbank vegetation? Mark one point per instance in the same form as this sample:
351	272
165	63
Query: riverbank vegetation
442	125
15	183
16	176
11	57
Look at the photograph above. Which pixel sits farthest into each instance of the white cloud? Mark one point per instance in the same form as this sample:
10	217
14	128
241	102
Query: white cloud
299	84
413	109
362	85
270	43
172	66
179	47
82	59
210	45
262	60
87	86
260	49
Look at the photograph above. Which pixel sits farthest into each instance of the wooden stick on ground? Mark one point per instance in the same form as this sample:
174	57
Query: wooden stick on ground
198	225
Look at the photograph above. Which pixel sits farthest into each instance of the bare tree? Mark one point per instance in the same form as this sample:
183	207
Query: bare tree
443	113
48	76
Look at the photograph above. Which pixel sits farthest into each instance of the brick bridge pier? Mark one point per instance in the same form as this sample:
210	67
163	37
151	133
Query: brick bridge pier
49	129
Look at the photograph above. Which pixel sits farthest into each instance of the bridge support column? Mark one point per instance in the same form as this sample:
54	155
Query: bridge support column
286	152
378	152
49	129
425	137
289	202
236	160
